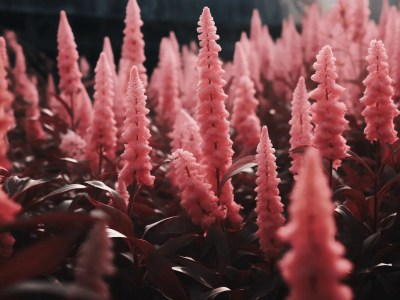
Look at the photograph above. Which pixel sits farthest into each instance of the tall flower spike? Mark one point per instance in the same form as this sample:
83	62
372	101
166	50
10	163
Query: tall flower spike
136	156
8	210
379	107
68	68
169	103
102	133
197	198
133	43
301	128
327	112
26	88
70	83
212	115
95	260
107	49
269	206
244	117
314	266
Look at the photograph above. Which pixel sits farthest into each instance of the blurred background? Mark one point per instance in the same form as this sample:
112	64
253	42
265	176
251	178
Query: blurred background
36	22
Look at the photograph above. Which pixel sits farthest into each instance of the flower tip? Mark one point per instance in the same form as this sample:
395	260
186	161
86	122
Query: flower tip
264	132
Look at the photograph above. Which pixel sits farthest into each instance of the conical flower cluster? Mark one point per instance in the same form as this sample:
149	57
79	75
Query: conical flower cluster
269	206
102	133
314	265
197	198
244	117
379	110
133	43
70	83
328	112
212	115
301	128
136	157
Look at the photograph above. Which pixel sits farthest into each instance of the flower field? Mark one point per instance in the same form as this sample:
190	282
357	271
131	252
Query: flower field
272	176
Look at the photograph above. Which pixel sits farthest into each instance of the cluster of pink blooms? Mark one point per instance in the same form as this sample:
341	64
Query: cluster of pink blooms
199	122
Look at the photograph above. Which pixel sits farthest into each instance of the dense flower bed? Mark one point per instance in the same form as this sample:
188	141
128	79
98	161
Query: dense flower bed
274	176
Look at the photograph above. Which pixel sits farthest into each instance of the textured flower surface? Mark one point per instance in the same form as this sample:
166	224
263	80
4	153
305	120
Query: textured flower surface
314	265
212	115
102	133
379	110
301	128
197	198
328	112
269	206
136	159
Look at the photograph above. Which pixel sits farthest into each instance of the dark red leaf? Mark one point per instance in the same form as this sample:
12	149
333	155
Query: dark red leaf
30	288
167	223
216	292
118	220
59	219
160	271
118	202
59	191
38	259
237	167
355	157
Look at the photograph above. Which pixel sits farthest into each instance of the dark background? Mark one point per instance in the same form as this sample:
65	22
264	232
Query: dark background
36	22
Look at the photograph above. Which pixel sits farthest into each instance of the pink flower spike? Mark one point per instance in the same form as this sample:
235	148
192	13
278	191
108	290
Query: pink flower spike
102	133
269	206
26	88
169	103
197	198
72	89
244	117
212	115
301	128
136	157
327	112
95	260
107	49
379	110
314	265
68	68
133	43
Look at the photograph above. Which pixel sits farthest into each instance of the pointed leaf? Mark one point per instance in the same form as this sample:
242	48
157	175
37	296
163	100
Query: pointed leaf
118	220
38	259
237	167
119	203
160	271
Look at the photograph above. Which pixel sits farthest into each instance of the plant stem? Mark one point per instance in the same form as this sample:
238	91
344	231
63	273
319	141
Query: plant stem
330	170
132	198
72	113
377	168
100	161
